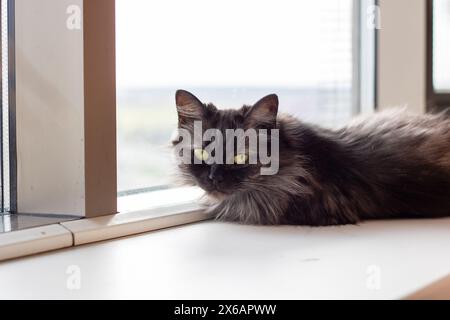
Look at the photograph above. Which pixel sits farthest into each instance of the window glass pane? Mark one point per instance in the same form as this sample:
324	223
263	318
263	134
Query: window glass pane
229	53
441	46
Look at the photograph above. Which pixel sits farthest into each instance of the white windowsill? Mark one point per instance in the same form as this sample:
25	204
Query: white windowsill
33	241
213	260
133	222
157	199
291	262
138	214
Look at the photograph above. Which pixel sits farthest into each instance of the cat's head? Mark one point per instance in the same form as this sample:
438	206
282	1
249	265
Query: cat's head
238	167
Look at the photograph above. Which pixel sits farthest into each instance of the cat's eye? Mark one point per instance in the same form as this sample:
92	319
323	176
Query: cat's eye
201	154
241	159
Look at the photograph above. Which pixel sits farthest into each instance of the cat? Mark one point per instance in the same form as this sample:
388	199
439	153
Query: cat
389	165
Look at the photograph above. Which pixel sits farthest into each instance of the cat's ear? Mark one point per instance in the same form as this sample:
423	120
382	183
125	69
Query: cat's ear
264	112
189	108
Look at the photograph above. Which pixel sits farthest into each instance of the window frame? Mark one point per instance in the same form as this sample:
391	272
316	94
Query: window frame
436	101
2	193
12	156
96	139
7	114
365	60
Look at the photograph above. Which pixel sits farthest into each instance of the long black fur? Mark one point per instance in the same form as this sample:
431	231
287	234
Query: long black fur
390	165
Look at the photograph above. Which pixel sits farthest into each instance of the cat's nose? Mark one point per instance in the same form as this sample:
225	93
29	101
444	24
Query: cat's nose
214	173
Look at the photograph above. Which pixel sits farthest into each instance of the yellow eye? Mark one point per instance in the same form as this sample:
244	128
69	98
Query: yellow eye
201	154
241	159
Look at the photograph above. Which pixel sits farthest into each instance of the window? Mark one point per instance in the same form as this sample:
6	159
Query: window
229	53
438	53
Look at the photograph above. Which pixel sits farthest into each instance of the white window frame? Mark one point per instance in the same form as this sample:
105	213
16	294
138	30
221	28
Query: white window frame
70	76
401	55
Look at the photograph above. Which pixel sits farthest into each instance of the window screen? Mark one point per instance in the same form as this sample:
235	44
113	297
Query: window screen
4	115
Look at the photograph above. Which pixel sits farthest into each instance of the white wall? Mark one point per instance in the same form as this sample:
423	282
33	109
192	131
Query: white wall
402	54
50	109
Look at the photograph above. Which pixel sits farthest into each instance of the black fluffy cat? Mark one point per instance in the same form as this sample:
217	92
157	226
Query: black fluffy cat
391	165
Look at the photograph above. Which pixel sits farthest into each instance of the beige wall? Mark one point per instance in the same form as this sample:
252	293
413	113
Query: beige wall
50	109
402	54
